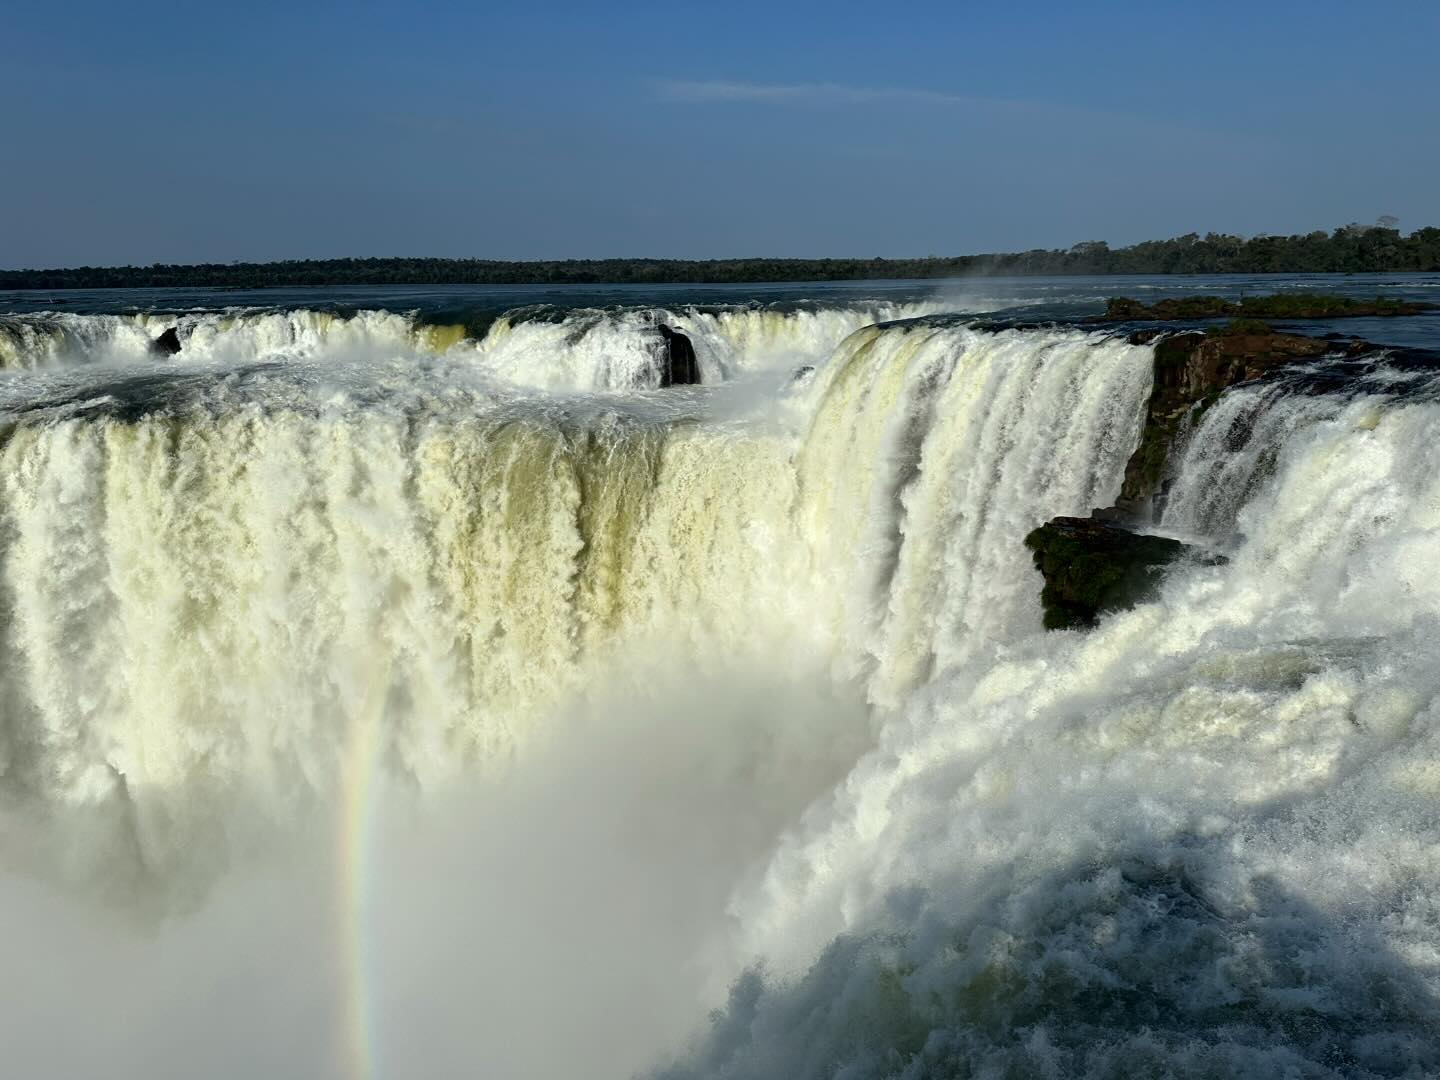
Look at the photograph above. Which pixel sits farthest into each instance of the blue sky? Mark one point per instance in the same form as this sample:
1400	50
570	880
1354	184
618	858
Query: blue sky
165	132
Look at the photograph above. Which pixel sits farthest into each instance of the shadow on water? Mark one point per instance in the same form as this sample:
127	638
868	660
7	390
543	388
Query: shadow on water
1133	968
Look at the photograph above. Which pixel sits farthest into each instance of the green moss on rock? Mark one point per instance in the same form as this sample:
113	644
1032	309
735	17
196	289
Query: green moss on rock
1192	369
1092	567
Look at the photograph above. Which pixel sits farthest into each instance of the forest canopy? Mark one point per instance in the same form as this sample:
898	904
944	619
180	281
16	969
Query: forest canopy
1349	249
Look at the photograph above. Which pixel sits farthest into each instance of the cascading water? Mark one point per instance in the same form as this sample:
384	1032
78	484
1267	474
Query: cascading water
473	558
60	339
585	350
1200	841
621	639
608	350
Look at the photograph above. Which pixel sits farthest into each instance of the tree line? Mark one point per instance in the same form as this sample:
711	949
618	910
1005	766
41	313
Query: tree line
1349	249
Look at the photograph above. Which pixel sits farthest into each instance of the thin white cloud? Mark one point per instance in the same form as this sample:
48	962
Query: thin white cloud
720	91
1066	115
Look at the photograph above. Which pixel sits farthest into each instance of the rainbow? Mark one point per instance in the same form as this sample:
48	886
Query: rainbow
355	823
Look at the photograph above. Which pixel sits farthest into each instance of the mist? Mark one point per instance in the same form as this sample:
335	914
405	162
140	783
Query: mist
566	917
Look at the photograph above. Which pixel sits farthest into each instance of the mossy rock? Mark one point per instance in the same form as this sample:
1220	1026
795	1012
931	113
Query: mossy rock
1275	306
1092	567
1192	369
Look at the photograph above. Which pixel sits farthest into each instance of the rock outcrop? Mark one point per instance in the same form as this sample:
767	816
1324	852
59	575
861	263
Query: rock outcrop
680	367
1191	370
1100	564
1092	566
1277	306
167	344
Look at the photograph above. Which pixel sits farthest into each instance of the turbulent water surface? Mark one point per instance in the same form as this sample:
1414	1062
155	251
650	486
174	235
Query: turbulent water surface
400	684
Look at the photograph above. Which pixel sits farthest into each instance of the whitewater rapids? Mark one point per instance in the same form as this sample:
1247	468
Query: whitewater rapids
784	628
536	347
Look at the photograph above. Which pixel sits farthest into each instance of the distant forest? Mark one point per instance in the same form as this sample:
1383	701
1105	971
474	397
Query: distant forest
1349	249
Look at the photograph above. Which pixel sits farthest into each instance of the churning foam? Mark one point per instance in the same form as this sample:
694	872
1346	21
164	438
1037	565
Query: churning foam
1197	841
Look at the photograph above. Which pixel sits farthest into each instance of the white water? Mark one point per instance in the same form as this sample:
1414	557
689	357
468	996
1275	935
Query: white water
1201	841
60	339
474	559
592	351
585	351
622	641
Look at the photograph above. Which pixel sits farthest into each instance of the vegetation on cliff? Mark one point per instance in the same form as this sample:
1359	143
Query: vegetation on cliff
1351	249
1191	370
1275	306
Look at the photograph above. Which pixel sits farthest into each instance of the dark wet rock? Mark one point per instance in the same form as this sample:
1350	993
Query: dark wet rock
1096	565
680	365
1278	306
1191	371
1101	563
167	344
